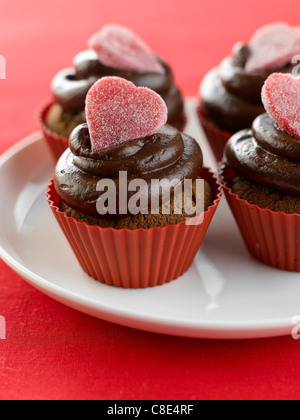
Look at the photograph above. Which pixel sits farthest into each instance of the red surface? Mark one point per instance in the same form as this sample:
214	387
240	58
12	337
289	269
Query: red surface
53	352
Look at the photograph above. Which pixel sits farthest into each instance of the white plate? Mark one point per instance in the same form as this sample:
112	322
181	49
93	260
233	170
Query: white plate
226	294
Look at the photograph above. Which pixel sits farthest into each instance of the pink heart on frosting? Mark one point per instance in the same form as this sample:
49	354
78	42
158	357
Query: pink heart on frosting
120	48
273	46
117	111
281	98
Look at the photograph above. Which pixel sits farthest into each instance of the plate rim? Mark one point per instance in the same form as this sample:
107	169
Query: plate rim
257	328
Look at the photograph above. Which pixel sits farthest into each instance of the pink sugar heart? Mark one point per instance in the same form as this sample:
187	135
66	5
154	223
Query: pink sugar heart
122	49
273	46
281	98
117	112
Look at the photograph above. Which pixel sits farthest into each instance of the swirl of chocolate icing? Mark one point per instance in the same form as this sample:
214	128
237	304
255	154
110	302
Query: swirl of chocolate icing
266	155
231	97
166	155
69	91
70	86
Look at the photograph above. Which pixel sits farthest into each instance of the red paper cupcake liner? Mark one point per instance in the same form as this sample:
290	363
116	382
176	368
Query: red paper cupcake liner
135	258
56	143
271	237
217	138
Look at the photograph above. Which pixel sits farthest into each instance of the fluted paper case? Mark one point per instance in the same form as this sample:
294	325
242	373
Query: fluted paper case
135	258
57	144
216	137
271	237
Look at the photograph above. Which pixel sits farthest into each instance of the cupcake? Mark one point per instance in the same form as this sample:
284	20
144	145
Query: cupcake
122	237
114	51
262	176
230	95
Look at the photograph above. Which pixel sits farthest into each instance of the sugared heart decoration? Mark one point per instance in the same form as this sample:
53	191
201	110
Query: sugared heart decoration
117	111
281	98
273	46
120	48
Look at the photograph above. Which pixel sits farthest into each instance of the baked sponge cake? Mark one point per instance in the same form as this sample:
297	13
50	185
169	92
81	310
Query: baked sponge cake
262	175
230	93
119	191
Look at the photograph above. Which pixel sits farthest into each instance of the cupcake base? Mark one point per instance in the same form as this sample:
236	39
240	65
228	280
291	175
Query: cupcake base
137	258
271	237
63	122
145	221
57	144
216	137
265	197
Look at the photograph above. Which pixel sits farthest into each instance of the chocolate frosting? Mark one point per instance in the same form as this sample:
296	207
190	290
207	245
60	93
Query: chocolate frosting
266	155
231	97
166	155
70	86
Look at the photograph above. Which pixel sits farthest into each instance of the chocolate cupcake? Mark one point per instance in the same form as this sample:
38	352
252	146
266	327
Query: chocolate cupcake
126	140
114	51
231	93
177	157
262	175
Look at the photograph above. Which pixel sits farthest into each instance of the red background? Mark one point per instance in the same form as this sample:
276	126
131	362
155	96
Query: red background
53	352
